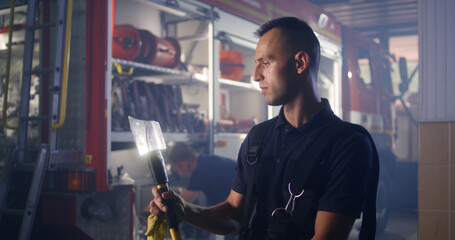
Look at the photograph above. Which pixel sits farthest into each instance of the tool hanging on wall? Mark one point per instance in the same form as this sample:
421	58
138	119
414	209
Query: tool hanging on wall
151	101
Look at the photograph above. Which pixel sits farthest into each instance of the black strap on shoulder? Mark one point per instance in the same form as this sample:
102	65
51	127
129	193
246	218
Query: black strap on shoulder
252	157
368	229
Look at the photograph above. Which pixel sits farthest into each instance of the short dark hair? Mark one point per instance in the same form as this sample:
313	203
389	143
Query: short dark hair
297	33
181	152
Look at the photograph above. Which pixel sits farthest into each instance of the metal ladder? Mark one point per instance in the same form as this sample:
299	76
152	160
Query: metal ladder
18	158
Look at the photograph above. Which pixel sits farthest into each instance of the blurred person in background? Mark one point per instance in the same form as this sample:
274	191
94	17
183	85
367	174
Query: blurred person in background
209	175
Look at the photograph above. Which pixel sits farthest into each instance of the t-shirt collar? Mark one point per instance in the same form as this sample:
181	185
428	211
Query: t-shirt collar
321	118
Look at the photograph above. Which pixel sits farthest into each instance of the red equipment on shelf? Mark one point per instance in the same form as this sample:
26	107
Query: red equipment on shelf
142	46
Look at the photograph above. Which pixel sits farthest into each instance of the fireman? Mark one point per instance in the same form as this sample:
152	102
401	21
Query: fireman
339	184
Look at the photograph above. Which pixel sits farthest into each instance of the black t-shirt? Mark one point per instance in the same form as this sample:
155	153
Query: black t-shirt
339	180
213	176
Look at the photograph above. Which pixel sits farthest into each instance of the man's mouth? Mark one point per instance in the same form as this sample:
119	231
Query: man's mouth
263	89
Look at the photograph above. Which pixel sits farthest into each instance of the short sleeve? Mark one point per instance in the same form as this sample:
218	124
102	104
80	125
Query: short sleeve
348	176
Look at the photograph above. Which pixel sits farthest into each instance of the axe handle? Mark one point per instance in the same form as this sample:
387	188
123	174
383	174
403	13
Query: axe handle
159	173
170	214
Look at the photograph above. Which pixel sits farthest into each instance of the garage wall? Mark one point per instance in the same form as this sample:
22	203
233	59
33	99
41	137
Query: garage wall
436	175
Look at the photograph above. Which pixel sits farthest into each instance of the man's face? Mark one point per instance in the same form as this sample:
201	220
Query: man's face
182	168
275	69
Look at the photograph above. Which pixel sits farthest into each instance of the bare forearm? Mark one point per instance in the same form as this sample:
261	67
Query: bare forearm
220	219
332	226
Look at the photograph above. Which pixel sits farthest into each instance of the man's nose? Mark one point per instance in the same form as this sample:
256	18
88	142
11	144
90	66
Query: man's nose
257	75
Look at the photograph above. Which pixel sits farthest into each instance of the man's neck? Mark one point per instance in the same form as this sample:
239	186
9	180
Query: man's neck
299	112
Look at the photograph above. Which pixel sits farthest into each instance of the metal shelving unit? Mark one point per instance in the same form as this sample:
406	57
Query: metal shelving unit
201	37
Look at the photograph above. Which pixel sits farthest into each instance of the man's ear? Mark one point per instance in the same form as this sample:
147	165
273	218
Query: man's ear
301	59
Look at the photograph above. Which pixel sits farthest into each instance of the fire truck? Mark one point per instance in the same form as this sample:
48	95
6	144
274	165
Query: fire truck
73	71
